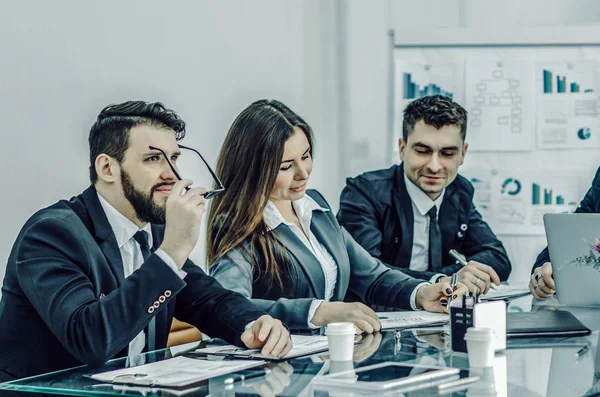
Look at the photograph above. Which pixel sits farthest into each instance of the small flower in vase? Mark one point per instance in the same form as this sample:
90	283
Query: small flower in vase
592	259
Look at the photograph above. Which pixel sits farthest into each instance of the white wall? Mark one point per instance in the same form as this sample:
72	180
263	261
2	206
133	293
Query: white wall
63	61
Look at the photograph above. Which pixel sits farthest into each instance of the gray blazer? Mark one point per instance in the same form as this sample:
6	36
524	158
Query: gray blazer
360	276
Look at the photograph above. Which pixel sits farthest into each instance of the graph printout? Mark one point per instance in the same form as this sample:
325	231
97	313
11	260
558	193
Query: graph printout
567	103
514	201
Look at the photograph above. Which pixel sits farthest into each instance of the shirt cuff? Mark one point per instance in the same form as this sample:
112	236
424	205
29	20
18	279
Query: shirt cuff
311	312
436	277
170	262
413	296
249	325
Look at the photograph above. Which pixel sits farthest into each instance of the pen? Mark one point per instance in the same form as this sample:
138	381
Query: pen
453	282
248	375
460	258
582	351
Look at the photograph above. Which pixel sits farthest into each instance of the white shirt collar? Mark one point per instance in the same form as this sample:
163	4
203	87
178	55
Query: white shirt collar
303	207
421	200
123	228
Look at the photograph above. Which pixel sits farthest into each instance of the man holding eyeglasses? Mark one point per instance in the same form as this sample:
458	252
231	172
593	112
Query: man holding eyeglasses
103	274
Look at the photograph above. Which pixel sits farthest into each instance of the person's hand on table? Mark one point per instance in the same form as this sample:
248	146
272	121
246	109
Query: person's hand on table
363	317
435	297
269	334
541	283
477	277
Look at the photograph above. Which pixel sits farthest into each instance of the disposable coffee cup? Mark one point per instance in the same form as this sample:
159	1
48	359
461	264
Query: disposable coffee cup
340	338
480	347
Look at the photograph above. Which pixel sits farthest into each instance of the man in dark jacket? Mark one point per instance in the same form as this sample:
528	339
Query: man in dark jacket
411	215
102	275
541	283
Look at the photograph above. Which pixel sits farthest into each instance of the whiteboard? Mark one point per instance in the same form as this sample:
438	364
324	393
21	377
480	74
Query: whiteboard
436	50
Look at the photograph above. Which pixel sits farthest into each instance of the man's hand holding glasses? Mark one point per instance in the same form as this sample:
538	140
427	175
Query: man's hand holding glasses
184	210
183	215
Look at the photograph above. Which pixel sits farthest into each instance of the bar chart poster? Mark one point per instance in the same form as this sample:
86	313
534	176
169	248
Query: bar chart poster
414	80
501	104
522	197
567	99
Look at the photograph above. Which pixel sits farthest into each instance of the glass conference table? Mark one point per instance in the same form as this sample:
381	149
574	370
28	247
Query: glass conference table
529	368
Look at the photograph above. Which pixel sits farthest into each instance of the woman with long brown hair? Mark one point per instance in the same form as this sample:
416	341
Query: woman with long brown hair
280	245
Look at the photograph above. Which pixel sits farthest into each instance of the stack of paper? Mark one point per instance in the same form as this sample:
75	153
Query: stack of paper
303	346
409	319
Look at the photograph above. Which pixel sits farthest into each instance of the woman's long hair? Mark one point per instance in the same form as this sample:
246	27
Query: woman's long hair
248	166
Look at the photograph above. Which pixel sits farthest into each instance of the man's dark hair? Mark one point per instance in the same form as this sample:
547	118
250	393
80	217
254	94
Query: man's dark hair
110	132
435	110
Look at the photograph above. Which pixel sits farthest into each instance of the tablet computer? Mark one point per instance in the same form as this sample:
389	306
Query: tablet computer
387	376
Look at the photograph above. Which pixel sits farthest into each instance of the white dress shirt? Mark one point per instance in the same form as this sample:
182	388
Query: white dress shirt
131	254
421	204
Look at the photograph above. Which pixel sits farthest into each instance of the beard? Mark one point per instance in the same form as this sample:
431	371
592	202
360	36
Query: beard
146	210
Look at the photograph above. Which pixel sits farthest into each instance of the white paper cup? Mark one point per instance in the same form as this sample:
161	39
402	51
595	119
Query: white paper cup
480	347
340	338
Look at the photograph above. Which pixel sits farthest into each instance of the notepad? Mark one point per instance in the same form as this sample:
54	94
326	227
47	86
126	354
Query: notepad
411	319
174	372
552	323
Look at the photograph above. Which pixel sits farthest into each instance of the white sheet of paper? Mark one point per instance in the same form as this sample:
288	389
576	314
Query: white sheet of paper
175	372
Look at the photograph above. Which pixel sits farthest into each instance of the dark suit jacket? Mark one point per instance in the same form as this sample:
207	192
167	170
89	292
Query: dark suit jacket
590	205
377	211
65	301
359	273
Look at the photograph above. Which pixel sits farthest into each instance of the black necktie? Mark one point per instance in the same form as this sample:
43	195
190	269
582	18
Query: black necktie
142	238
435	241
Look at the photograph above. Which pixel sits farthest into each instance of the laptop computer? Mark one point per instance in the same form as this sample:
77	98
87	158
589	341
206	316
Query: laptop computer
572	240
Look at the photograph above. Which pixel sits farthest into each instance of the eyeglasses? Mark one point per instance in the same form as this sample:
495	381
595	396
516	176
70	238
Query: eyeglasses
207	195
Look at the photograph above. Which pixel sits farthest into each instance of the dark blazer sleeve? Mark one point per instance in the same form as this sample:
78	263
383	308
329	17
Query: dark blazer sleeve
55	266
359	216
482	245
588	205
374	282
215	310
234	272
